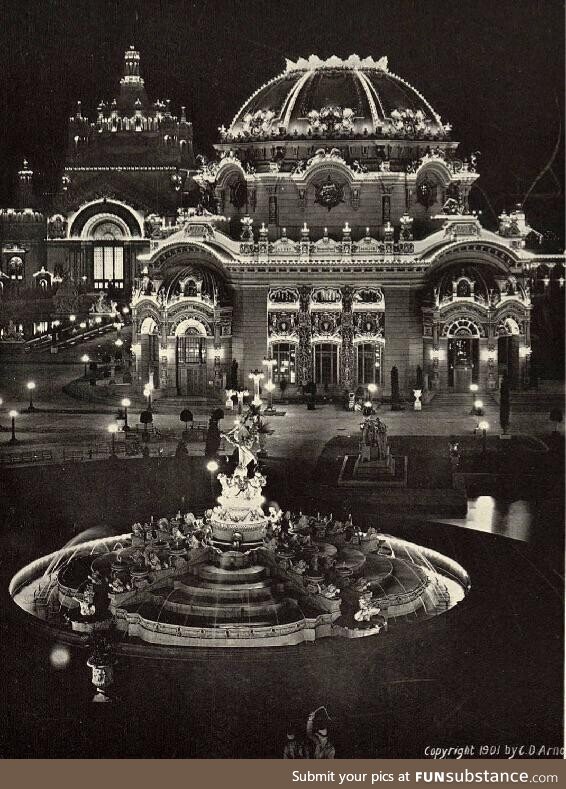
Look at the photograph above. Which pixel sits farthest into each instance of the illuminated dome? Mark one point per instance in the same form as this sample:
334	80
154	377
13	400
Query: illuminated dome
336	98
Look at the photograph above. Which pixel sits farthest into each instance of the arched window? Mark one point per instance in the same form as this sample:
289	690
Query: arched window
108	256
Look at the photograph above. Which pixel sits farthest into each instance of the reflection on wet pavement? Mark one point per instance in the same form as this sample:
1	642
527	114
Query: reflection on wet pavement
506	518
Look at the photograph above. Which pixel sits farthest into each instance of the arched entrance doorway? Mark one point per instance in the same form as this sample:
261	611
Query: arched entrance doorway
508	344
191	351
463	354
149	352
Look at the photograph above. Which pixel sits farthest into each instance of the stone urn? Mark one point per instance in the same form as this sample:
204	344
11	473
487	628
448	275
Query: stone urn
102	668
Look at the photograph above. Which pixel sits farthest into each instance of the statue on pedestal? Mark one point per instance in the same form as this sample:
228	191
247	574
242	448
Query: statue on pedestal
373	445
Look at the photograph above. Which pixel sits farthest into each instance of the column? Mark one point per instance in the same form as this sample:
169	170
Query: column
171	372
347	331
304	351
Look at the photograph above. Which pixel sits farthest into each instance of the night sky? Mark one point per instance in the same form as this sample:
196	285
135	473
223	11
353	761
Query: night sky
492	68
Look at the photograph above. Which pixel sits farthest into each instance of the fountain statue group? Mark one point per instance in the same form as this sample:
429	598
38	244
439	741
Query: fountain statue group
245	437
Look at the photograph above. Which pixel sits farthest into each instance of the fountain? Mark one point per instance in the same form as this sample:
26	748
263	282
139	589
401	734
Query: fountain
239	577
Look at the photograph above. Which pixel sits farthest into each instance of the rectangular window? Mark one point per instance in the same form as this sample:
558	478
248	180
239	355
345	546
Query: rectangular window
191	350
368	363
285	355
326	364
108	267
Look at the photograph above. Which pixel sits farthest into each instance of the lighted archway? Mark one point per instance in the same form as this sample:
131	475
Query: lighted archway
148	326
190	326
463	327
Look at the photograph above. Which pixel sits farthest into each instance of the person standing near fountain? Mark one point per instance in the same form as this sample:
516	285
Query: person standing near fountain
320	745
294	748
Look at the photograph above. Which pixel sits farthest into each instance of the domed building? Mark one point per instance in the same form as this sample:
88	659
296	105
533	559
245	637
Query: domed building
337	218
332	234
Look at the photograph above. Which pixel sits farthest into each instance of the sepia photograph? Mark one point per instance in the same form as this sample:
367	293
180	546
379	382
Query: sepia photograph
282	379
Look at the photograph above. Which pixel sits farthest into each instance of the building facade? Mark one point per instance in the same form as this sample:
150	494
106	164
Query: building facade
332	233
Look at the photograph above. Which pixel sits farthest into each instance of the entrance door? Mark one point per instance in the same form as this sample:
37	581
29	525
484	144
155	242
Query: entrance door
191	366
463	363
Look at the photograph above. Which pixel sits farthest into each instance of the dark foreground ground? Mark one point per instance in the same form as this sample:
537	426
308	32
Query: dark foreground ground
488	672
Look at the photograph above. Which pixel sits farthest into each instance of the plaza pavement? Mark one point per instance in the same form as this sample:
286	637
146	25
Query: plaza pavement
62	421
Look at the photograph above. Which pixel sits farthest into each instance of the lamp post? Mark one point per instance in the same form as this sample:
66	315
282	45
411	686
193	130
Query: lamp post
478	407
473	390
55	331
13	415
212	467
270	386
484	427
113	429
147	390
30	387
241	393
372	389
126	403
256	376
119	356
85	359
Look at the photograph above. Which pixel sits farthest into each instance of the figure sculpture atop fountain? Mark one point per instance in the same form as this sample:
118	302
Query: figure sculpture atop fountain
240	503
244	436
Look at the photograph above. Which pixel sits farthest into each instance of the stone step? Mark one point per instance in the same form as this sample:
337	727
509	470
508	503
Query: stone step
194	584
230	611
153	613
220	575
223	594
266	583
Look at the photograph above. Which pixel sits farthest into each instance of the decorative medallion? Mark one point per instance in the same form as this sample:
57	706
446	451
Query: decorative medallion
368	324
329	194
282	324
325	324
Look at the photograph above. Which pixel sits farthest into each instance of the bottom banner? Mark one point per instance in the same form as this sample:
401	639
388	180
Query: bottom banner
284	774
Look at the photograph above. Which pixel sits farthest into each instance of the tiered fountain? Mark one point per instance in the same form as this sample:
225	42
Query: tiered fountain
239	577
